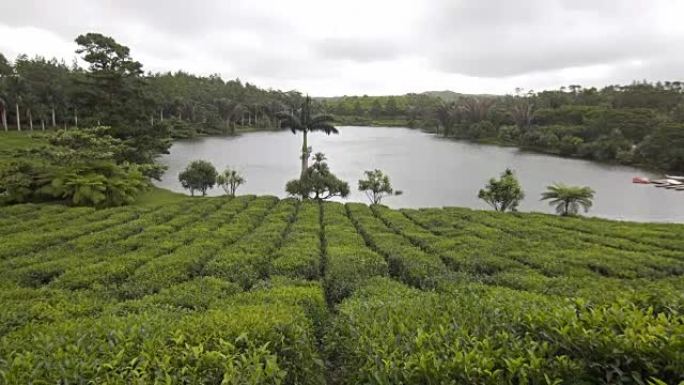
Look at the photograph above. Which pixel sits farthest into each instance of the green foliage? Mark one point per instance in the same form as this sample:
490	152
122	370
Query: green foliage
80	167
22	181
230	180
254	290
503	194
388	333
99	184
199	175
318	182
406	262
605	125
251	344
665	147
376	186
568	199
299	255
349	262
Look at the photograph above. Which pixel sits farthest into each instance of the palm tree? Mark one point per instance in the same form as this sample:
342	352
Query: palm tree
476	109
568	199
303	120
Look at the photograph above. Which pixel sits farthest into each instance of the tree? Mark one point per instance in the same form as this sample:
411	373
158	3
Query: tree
3	113
114	88
5	72
304	121
391	107
376	186
664	148
198	175
446	113
476	109
358	110
503	194
230	180
375	109
568	199
522	111
318	182
230	112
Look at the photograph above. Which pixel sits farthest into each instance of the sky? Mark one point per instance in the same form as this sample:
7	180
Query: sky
373	47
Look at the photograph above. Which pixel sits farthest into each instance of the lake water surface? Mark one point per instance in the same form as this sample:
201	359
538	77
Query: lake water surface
432	171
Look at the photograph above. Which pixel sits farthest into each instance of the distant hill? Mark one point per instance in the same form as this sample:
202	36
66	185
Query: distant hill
449	96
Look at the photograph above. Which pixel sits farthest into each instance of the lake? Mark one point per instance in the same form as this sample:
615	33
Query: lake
431	171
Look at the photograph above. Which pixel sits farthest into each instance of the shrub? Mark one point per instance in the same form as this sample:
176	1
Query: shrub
198	175
503	194
376	186
243	344
230	180
318	182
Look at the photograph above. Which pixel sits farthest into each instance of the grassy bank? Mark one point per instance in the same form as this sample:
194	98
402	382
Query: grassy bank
13	140
257	290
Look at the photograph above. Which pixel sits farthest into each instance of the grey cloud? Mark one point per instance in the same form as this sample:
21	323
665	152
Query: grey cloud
396	43
357	49
65	18
504	38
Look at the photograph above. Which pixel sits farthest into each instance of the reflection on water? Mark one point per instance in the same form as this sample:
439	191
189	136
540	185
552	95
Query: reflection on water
431	171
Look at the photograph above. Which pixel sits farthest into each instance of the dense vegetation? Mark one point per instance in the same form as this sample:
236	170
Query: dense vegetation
114	91
641	123
82	167
256	290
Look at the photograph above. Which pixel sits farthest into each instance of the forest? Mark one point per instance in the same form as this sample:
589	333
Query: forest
38	93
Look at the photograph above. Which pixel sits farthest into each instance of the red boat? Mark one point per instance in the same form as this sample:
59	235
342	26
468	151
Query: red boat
642	180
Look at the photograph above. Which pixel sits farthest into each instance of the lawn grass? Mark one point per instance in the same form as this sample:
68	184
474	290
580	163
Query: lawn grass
13	140
157	195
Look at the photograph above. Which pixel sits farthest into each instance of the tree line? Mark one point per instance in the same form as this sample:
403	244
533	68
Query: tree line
637	124
113	90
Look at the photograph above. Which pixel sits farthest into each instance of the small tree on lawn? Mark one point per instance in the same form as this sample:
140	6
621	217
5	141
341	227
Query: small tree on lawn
318	182
376	186
199	175
230	180
503	194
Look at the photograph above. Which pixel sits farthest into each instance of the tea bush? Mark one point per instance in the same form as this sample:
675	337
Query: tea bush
259	290
349	262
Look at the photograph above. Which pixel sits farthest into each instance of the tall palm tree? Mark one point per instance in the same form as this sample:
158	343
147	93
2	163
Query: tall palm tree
303	120
568	199
476	109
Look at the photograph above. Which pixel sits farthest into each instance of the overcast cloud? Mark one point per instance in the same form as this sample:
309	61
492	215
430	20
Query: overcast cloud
373	47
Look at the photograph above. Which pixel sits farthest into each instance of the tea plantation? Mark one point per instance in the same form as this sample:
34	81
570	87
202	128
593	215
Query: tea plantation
257	290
